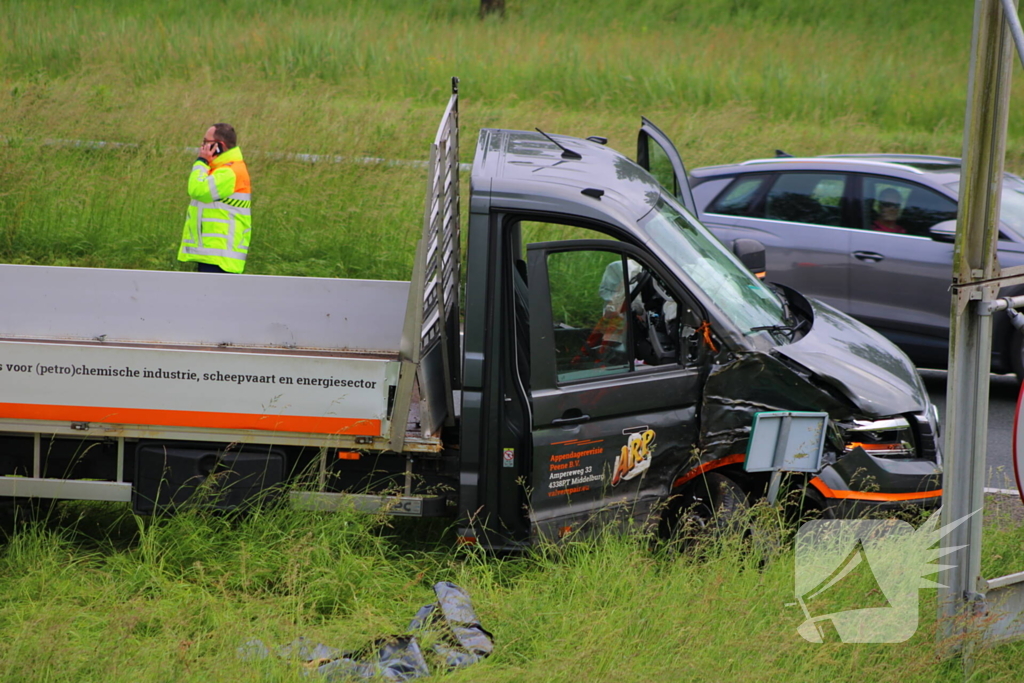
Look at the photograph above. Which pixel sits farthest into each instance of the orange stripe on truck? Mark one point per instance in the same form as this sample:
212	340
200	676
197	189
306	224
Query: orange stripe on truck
697	471
870	495
189	418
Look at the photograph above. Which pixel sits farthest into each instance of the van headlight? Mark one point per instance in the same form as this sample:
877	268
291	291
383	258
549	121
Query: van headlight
888	438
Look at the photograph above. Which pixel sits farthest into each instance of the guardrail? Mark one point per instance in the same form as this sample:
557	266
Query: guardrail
276	156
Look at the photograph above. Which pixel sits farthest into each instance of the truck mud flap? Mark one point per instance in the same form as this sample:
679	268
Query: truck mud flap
402	506
170	476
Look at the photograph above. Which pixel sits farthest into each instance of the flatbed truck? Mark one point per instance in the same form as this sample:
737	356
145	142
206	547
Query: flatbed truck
602	355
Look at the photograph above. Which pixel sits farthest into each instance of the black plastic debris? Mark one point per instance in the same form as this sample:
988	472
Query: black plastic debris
455	633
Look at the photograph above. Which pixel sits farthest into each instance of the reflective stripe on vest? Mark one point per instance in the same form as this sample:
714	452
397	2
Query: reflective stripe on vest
213	187
234	250
236	207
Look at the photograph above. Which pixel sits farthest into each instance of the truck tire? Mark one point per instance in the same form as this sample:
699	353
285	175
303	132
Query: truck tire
15	513
813	506
709	505
8	518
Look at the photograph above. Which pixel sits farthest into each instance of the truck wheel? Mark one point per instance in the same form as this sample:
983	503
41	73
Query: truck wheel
813	506
710	504
15	513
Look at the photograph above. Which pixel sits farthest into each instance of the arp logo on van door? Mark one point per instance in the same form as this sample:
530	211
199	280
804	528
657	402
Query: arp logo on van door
635	457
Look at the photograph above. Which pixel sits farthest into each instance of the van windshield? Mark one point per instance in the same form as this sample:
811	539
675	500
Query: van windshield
733	288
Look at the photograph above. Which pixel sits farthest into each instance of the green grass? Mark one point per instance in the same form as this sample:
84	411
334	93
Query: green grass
94	594
89	599
902	66
728	79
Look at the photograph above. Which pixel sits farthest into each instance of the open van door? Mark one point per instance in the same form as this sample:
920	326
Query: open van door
656	154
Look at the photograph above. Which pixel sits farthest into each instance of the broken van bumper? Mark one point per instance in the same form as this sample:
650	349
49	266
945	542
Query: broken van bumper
861	484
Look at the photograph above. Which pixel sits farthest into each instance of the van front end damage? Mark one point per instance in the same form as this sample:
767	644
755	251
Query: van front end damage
887	465
875	461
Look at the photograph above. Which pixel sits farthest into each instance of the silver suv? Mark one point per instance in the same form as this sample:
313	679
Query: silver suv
871	234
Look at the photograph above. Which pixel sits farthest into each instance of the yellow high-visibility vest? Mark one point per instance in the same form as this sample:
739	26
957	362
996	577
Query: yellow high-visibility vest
219	220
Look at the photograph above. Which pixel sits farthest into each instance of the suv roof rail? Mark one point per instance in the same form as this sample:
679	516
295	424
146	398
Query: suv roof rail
899	158
868	159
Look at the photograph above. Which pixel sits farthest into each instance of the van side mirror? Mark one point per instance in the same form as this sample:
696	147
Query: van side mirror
751	254
943	232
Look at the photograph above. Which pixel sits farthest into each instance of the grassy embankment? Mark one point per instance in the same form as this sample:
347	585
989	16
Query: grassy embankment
728	80
87	599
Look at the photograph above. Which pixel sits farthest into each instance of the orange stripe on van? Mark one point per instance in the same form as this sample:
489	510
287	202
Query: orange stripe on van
697	471
189	418
871	495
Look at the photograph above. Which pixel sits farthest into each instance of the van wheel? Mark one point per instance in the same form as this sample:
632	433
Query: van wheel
710	504
812	506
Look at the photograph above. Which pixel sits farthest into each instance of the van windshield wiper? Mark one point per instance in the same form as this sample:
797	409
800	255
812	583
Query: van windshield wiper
789	330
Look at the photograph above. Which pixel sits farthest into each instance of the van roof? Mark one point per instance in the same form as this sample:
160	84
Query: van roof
523	169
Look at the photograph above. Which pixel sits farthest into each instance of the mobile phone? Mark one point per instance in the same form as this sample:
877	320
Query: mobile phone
218	148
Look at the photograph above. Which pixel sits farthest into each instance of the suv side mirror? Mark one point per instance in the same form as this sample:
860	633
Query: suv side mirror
943	232
751	254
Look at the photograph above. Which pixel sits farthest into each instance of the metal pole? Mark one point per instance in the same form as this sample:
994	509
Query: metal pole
1015	29
970	338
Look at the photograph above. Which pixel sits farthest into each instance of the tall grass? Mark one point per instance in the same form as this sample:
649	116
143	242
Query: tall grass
92	593
342	221
902	65
171	600
728	79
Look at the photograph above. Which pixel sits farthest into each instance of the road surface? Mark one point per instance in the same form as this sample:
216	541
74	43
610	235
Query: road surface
1002	406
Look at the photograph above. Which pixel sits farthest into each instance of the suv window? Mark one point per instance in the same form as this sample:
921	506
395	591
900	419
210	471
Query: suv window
891	205
815	198
739	198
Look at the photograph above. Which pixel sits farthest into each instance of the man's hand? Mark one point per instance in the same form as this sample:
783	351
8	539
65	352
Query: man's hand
207	152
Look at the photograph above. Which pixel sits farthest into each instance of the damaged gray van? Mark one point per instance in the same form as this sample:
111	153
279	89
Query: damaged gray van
614	342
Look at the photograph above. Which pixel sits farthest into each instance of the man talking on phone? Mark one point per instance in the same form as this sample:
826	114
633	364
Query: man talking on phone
219	221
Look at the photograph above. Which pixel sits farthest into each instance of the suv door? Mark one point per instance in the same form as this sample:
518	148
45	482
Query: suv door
656	154
614	387
899	274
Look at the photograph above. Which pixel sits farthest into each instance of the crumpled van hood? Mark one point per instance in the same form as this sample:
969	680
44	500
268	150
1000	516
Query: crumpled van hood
869	369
